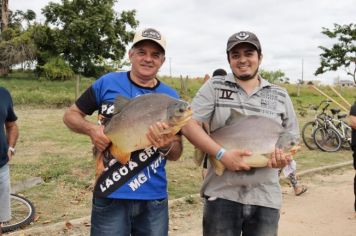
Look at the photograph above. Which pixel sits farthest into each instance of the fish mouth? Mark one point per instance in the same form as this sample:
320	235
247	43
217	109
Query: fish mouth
180	121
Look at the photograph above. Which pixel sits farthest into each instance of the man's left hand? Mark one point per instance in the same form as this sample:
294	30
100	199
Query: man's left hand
278	159
159	137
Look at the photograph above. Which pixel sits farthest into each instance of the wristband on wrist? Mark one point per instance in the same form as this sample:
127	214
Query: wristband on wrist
220	154
12	150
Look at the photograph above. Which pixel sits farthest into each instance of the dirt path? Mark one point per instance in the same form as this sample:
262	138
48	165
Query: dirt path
325	209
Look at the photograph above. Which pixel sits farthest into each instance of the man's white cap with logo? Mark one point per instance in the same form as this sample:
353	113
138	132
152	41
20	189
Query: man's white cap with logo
150	34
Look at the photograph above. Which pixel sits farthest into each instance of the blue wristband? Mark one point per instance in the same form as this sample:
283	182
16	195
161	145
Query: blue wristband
220	154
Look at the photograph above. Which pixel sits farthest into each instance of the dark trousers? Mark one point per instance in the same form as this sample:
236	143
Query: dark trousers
227	218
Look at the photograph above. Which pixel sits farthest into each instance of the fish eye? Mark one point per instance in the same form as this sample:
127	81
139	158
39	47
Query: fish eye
292	143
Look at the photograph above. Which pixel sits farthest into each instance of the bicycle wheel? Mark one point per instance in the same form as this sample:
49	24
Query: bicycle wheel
307	134
328	140
22	212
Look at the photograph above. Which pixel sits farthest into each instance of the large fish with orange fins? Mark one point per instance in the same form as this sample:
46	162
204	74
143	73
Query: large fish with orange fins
129	125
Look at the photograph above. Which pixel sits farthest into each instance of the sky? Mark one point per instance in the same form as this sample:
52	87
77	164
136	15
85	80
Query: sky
197	31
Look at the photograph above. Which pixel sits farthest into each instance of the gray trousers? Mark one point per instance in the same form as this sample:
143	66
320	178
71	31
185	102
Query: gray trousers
5	210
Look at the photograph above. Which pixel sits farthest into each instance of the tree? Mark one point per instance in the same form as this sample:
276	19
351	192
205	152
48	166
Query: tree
84	32
4	14
17	50
343	53
272	76
16	43
17	18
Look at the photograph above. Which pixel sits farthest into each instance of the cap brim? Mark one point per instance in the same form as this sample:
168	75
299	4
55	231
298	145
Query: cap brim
152	40
237	43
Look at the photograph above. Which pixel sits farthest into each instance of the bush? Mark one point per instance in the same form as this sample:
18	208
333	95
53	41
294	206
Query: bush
57	69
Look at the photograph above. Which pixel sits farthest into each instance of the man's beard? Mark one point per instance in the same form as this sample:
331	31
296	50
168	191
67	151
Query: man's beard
246	77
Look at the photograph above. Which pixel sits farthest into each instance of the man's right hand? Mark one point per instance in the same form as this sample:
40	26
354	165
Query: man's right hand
233	159
98	138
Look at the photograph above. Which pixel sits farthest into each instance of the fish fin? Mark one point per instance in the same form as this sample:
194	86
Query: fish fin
119	103
294	150
122	157
99	164
234	117
219	168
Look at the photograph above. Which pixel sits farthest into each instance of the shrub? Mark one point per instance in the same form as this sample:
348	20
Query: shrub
57	69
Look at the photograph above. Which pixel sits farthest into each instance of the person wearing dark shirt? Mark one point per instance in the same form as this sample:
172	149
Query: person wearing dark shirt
9	134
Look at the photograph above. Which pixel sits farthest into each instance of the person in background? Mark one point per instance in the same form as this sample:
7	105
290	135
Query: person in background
9	134
290	173
353	144
124	208
243	199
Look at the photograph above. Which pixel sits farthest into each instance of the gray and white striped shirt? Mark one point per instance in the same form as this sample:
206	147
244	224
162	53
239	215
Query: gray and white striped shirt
212	104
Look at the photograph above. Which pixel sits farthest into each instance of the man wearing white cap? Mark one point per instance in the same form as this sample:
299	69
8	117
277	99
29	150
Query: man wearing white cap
243	200
123	207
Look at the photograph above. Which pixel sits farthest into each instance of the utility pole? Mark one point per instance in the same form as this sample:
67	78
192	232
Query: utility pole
300	82
302	70
170	67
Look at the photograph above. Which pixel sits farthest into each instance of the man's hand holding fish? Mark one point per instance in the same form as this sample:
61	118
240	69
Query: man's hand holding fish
164	141
234	159
279	159
98	138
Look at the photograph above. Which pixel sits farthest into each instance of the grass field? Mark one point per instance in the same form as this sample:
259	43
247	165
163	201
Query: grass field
63	159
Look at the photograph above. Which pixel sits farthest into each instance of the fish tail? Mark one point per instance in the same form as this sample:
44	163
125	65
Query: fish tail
219	168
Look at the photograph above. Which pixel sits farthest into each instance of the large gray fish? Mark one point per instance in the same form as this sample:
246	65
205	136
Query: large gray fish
259	134
129	125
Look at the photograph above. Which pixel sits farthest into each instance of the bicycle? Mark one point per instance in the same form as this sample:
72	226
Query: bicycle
310	127
328	137
344	130
22	212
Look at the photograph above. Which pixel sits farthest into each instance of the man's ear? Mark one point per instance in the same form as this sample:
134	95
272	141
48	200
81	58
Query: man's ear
130	54
260	59
228	57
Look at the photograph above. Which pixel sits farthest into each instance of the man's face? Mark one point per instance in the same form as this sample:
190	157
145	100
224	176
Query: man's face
244	61
146	59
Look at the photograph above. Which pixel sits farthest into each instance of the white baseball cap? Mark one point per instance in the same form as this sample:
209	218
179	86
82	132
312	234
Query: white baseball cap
150	34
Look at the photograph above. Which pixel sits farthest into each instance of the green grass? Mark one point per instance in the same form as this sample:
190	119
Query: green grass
28	91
